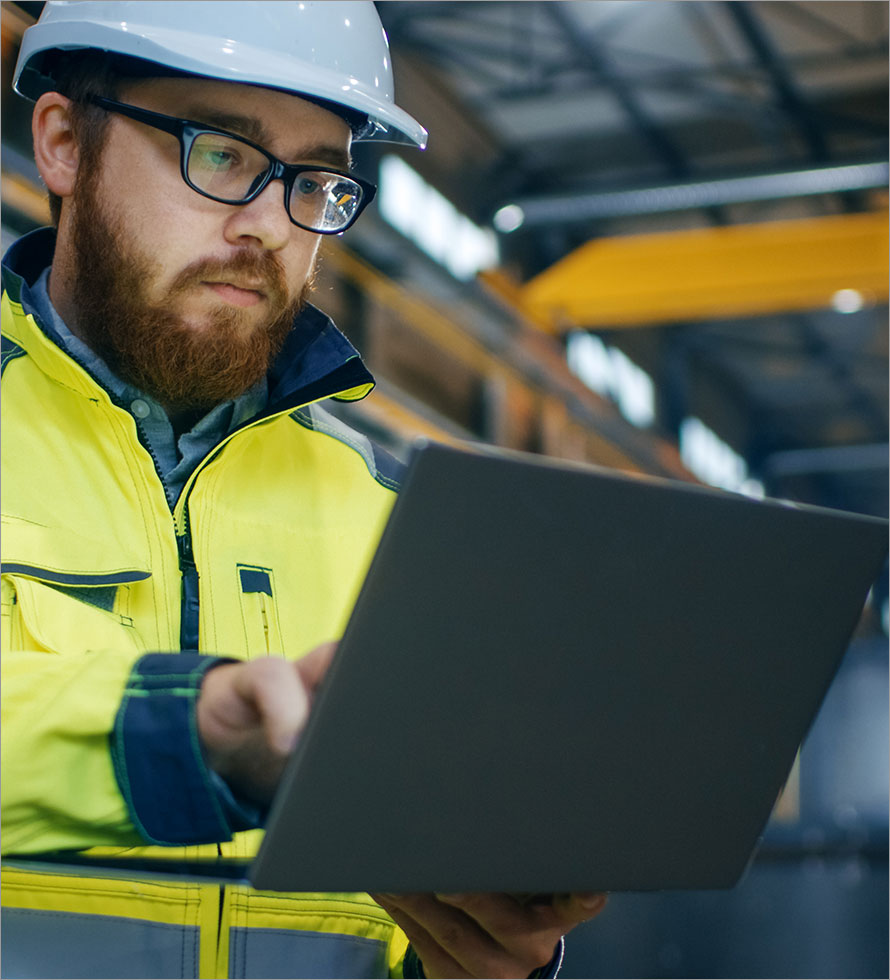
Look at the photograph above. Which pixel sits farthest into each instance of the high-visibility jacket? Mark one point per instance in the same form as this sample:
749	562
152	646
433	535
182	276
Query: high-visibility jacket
106	595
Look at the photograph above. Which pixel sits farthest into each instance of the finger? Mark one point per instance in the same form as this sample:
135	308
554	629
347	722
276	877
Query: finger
561	912
436	961
314	665
578	907
279	696
221	708
527	932
461	937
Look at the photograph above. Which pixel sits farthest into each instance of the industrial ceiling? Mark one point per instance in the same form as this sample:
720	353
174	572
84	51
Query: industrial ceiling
602	119
603	122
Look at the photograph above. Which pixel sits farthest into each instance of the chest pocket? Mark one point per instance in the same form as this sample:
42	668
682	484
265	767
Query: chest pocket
259	612
64	592
48	617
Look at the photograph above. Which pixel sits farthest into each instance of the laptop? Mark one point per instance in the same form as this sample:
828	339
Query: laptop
559	678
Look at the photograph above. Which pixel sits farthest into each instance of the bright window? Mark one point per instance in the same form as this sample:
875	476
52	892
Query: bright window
713	461
610	372
432	222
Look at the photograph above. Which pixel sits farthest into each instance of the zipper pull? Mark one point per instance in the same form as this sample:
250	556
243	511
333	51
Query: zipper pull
184	545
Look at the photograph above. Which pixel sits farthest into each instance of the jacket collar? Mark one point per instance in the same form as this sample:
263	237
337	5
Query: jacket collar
316	361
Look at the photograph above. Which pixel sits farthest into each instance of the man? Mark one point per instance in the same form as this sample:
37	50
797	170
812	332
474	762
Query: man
182	521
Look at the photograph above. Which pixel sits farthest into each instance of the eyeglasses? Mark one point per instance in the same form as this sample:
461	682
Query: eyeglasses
233	170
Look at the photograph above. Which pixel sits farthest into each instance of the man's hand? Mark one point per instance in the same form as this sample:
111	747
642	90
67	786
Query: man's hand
486	935
250	715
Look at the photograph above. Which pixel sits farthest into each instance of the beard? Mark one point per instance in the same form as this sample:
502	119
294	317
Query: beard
187	369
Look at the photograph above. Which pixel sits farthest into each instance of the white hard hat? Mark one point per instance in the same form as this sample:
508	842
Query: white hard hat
333	50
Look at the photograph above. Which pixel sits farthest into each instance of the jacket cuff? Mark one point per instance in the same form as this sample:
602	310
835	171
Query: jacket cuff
240	813
157	755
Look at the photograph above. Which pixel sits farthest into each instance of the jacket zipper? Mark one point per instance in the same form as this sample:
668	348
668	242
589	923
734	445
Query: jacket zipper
188	570
188	625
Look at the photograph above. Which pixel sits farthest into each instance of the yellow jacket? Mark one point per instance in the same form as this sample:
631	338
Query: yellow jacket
103	588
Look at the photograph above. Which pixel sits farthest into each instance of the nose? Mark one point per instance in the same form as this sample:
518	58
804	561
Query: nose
264	220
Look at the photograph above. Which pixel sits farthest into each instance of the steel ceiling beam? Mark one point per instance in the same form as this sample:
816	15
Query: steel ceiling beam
478	58
805	16
581	206
697	84
659	74
782	79
591	54
827	459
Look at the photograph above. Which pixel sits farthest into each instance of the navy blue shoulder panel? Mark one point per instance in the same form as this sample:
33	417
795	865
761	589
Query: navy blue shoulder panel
9	351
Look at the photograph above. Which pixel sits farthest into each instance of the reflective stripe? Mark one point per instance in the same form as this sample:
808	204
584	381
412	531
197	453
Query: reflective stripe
385	469
286	953
70	944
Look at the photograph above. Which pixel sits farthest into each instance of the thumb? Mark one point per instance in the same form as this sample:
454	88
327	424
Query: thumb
314	665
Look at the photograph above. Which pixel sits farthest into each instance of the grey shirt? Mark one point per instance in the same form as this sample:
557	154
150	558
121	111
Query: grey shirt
175	458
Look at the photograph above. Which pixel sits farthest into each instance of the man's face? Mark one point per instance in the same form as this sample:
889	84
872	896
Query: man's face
186	297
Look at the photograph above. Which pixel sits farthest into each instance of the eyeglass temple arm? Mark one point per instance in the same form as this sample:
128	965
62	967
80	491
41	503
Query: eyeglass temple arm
157	120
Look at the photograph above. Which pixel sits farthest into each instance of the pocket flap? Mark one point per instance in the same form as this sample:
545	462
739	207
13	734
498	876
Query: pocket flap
64	557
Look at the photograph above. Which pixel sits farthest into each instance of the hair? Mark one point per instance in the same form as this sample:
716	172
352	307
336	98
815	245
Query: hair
77	75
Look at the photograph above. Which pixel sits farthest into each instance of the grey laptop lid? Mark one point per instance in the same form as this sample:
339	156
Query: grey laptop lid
561	678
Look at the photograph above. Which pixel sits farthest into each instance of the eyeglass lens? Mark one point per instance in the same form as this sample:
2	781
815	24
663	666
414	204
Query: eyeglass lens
229	170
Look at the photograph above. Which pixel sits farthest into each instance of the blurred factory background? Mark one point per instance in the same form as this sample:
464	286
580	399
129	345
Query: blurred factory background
654	237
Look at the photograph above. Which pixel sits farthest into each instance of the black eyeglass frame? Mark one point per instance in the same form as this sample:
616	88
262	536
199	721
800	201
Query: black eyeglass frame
187	131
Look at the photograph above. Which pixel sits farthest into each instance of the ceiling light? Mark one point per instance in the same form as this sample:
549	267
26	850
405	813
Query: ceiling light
848	301
508	218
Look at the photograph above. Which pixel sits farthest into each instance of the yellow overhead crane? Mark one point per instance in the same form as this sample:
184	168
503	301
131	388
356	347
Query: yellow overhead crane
711	273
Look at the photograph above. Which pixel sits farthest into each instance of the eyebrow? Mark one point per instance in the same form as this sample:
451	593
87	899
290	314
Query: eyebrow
252	129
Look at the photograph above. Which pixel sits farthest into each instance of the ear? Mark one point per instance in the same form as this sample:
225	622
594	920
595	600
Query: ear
55	148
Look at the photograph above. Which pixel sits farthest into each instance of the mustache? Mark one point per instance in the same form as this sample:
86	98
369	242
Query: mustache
262	270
